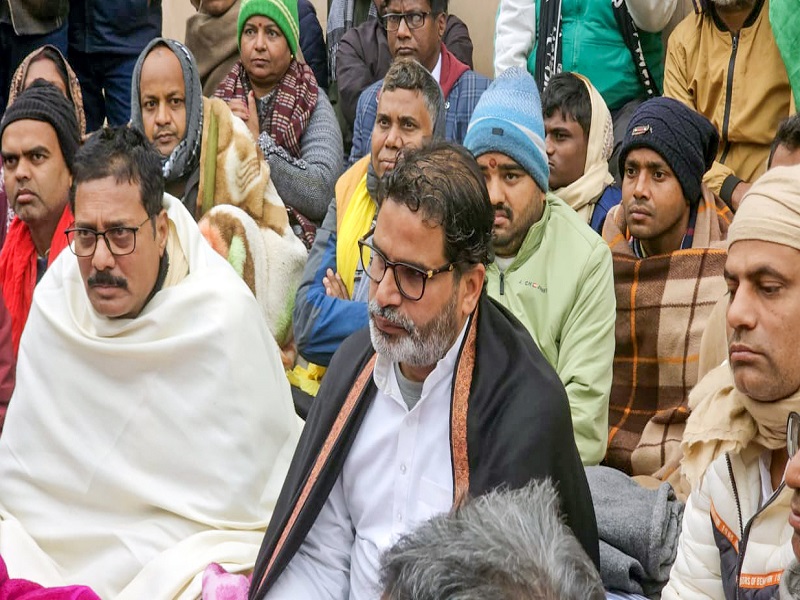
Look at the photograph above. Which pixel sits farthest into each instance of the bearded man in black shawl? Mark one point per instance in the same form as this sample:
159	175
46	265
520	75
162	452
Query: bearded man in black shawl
444	396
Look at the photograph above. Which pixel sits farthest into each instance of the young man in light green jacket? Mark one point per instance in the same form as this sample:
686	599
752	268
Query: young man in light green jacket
550	269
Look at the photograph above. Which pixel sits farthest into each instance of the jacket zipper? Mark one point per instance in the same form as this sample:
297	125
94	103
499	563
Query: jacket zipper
728	91
502	283
745	532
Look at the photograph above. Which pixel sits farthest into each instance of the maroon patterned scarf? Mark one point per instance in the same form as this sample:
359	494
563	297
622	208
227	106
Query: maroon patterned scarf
289	108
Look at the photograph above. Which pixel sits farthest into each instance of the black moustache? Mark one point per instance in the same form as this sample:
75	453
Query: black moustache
105	278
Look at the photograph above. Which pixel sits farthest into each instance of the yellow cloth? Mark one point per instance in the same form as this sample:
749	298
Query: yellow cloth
355	223
725	420
307	379
582	194
696	73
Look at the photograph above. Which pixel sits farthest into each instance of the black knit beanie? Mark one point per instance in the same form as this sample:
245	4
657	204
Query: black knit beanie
685	139
42	101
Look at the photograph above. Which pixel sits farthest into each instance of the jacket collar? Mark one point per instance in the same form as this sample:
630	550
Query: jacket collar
749	22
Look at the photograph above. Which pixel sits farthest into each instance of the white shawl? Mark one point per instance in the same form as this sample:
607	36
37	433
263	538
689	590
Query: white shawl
137	451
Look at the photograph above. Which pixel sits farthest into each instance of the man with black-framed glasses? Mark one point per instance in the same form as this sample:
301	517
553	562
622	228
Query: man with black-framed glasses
151	413
363	57
443	395
414	29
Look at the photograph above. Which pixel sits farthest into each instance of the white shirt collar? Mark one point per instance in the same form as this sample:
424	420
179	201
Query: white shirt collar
437	70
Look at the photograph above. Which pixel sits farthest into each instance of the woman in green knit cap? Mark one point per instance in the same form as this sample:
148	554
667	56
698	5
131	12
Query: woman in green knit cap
272	90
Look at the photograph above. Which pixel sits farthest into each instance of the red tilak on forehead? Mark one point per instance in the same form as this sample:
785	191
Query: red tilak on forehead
492	163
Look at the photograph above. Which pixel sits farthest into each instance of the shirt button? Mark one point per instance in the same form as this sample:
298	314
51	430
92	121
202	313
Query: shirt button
403	469
400	516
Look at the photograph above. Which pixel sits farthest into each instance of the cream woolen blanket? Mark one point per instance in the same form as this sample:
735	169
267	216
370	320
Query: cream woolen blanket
138	451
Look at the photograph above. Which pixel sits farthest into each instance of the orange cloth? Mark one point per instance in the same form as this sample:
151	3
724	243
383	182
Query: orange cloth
18	269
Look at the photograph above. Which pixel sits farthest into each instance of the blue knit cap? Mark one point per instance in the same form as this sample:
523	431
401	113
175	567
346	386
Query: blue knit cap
508	119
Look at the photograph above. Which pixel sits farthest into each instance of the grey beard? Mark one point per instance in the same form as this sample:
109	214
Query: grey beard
421	346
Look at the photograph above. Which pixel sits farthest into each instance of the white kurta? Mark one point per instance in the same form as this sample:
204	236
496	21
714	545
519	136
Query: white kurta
137	451
397	475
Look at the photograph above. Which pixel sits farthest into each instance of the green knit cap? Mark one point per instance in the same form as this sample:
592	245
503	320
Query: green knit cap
283	12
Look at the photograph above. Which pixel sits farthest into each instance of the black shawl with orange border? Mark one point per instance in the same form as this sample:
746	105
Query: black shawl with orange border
510	423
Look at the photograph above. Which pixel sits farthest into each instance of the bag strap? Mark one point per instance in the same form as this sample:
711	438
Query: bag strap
630	33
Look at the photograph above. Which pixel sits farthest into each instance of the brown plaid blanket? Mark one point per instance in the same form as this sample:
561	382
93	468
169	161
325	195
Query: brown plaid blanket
663	303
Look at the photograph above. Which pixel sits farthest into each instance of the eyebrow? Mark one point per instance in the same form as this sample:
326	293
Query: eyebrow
106	225
506	168
401	117
405	262
757	273
28	152
649	164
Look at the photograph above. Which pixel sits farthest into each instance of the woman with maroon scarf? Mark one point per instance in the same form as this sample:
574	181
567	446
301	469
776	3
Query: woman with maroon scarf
278	97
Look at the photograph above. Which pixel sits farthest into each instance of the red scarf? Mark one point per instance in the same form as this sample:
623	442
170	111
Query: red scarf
18	269
294	101
452	70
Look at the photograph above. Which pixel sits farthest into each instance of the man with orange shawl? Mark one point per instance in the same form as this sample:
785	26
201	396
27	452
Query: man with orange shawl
331	301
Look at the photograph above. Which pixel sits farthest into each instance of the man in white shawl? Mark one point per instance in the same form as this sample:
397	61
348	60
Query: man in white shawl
579	140
152	425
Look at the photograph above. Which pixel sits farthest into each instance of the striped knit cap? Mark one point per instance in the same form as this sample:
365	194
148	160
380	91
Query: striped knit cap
508	119
685	139
283	12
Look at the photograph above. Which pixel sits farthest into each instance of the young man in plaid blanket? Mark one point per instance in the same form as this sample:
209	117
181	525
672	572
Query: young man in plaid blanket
667	241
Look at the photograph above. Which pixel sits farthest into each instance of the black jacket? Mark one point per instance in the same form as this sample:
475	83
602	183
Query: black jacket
112	26
518	428
312	42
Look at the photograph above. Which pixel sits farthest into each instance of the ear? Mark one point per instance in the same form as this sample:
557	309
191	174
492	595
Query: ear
441	24
470	288
162	231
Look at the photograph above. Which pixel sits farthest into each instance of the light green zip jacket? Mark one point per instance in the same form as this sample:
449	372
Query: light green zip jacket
561	286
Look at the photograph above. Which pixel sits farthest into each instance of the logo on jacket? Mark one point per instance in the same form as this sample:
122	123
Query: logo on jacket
536	286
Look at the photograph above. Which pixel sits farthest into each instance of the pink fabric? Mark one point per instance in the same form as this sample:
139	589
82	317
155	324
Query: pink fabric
20	589
218	584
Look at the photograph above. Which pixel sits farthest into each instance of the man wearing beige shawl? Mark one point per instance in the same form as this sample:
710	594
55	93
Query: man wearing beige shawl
579	137
209	158
152	426
736	540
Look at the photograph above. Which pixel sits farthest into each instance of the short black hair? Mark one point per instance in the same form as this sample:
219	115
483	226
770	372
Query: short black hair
788	135
567	93
126	155
443	182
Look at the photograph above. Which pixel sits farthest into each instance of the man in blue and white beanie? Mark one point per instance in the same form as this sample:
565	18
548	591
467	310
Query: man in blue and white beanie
550	269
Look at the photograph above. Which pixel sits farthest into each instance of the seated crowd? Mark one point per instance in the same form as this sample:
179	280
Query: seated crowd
386	327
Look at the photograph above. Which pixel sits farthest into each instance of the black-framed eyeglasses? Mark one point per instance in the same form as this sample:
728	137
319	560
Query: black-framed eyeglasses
414	20
120	241
793	433
410	279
